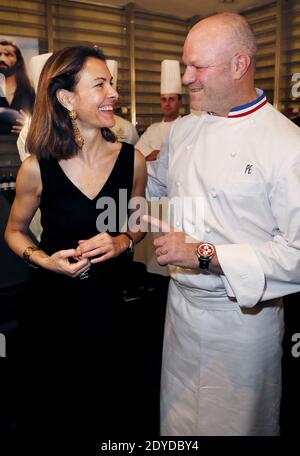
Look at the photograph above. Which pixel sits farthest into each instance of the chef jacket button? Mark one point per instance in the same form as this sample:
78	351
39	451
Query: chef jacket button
177	224
233	153
178	183
207	230
188	147
214	194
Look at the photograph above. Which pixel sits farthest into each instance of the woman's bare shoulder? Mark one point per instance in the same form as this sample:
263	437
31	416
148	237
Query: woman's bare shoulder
30	164
29	173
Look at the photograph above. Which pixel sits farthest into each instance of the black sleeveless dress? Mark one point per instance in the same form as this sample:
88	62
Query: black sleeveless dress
72	331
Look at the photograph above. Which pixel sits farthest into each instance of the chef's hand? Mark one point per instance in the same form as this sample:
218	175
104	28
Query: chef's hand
173	247
153	155
21	119
178	248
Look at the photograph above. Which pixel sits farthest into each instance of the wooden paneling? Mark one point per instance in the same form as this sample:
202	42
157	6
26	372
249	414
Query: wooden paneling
263	22
74	22
157	38
24	18
290	99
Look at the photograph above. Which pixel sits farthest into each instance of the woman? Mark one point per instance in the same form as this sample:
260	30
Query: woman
73	322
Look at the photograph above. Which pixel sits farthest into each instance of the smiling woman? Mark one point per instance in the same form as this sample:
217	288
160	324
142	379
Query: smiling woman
77	87
74	306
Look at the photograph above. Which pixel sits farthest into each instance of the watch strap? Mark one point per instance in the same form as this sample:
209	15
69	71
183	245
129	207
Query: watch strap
130	248
204	263
27	254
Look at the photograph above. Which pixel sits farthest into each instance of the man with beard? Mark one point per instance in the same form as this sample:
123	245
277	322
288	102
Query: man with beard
19	94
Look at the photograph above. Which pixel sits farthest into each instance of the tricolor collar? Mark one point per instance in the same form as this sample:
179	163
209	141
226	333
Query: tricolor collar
249	108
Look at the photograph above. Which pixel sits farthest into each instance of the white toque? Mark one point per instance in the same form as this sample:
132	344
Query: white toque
113	68
170	77
35	67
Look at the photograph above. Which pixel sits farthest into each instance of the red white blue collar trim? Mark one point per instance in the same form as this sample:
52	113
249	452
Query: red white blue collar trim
249	108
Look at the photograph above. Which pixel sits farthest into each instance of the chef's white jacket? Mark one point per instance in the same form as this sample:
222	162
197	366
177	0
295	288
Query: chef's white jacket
153	137
125	131
222	347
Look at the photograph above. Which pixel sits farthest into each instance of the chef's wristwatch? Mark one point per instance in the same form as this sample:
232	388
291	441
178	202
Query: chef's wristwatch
205	252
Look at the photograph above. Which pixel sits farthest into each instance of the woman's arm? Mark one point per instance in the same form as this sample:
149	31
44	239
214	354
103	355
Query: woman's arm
27	201
138	190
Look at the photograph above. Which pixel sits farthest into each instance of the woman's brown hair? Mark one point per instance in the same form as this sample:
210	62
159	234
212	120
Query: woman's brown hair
51	133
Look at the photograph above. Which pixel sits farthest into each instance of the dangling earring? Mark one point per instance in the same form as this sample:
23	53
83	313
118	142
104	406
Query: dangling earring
78	138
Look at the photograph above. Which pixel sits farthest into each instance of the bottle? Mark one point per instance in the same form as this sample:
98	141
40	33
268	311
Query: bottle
4	184
11	182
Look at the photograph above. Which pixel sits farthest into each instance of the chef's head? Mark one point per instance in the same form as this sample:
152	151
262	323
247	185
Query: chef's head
219	55
170	105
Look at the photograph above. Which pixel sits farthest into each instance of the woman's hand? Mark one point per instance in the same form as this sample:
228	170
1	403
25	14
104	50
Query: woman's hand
21	119
60	263
103	246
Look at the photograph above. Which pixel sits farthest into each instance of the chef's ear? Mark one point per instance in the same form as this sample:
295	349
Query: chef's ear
66	98
240	65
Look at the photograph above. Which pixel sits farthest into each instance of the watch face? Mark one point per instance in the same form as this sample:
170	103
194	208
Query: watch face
29	251
206	250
